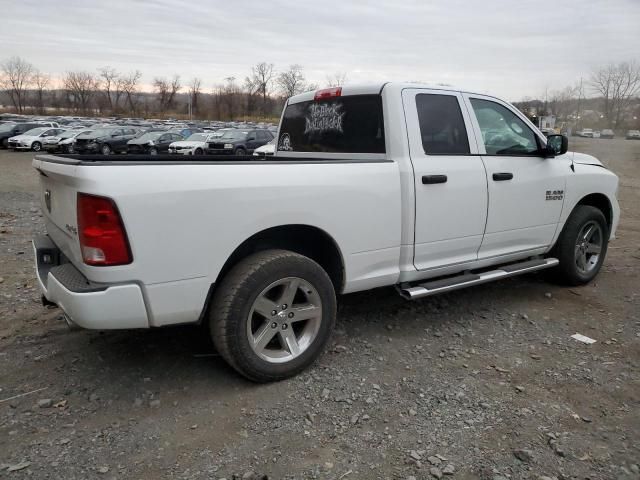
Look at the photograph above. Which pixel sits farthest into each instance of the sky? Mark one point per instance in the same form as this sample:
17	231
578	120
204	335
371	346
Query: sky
510	48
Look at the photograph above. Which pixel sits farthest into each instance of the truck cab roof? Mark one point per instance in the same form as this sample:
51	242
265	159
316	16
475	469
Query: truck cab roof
377	88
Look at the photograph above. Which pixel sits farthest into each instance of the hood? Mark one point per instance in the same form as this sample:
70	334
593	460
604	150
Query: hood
185	143
584	159
23	137
268	148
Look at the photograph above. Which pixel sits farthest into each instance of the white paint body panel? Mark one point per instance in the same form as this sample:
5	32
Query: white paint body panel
184	220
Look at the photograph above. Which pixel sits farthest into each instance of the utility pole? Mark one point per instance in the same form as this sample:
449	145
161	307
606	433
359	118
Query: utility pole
579	101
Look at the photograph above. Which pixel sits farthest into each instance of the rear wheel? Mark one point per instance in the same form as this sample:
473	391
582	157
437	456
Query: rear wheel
36	146
153	151
240	151
106	149
272	315
5	142
582	246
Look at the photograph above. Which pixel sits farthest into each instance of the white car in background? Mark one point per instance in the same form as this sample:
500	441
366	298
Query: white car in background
265	150
33	139
196	144
64	142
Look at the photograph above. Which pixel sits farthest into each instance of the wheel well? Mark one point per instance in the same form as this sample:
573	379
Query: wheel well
602	203
306	240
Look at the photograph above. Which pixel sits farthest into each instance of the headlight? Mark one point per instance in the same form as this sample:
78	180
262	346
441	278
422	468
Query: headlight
151	142
228	146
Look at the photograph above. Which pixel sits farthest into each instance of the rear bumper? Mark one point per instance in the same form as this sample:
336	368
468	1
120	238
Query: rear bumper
87	304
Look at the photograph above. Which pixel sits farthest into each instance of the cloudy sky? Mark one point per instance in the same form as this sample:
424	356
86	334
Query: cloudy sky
512	48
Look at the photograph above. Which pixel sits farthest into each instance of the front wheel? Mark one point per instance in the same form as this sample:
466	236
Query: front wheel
36	146
198	151
582	245
240	152
272	315
106	149
70	148
153	151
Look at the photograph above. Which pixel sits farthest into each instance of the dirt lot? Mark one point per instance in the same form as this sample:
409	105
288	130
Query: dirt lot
479	384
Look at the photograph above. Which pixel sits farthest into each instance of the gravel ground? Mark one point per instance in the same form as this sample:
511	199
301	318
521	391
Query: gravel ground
483	383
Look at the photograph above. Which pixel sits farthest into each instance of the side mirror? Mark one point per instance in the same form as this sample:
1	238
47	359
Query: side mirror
556	145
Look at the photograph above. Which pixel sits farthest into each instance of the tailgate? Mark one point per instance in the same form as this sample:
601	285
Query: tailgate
58	191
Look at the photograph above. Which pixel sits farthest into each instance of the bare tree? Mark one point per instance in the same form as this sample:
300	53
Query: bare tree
129	86
618	85
17	76
259	82
166	91
337	79
41	83
194	93
161	86
110	81
230	91
292	81
81	88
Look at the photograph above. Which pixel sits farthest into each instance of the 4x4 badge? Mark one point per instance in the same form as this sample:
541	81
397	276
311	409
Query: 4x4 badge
47	199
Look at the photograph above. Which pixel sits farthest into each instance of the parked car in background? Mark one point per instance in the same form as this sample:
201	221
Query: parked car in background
265	150
196	144
106	140
63	142
152	143
586	133
8	130
607	133
239	142
33	139
633	135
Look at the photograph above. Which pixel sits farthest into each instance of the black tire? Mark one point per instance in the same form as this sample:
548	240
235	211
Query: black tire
153	151
198	151
36	146
105	149
567	248
5	143
233	302
240	151
69	148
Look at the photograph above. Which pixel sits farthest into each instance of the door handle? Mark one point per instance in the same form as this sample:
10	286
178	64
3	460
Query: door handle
431	179
502	176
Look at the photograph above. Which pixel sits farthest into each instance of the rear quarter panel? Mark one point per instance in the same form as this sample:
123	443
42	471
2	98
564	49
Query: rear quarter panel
184	221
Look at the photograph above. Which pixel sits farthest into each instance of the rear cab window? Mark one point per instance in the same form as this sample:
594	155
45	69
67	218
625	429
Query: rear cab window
351	124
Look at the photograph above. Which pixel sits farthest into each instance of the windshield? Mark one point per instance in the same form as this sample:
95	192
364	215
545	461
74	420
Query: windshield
69	134
150	136
234	135
197	137
7	127
36	131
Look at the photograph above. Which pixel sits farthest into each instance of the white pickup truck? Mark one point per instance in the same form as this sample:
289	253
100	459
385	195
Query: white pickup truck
425	189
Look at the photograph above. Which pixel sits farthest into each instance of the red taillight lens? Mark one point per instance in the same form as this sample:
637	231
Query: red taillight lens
328	93
102	237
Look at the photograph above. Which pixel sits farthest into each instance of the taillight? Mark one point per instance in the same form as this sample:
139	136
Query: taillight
103	240
328	93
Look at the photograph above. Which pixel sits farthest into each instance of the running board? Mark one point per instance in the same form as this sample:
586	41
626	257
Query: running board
469	279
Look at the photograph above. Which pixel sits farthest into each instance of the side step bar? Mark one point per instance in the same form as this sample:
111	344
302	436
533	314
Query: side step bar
469	279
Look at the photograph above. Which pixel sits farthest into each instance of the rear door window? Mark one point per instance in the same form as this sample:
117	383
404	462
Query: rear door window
349	124
441	125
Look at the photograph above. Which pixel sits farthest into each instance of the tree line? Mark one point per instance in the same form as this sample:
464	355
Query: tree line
109	92
607	98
